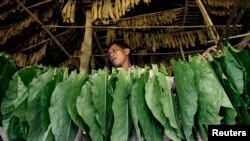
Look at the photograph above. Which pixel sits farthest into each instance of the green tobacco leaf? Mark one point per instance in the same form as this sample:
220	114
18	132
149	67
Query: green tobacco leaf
120	107
150	126
211	95
7	70
153	97
27	74
11	127
63	128
74	92
243	117
10	122
87	111
20	103
134	112
187	95
110	91
15	100
169	104
235	67
163	69
101	99
135	118
233	70
47	135
243	58
37	107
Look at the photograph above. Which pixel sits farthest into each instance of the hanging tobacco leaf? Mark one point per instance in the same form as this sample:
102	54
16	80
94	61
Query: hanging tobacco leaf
120	107
211	96
243	117
7	70
15	102
37	113
74	92
233	70
155	98
101	99
168	101
141	114
20	103
243	58
9	121
63	128
187	96
88	112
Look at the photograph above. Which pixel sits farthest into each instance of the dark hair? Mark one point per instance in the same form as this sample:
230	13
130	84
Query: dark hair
122	44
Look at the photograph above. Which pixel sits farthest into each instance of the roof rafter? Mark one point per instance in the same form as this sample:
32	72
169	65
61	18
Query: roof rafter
45	28
37	4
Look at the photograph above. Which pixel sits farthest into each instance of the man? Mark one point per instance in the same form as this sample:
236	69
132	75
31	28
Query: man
119	52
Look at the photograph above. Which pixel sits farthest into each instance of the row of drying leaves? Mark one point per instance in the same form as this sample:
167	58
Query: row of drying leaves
220	8
104	10
153	41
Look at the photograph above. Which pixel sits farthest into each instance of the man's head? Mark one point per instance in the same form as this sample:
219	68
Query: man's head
118	53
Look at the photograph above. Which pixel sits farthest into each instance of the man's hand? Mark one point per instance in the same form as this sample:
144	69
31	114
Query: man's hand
211	50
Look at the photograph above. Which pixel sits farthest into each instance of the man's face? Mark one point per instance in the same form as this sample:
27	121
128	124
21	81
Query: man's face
118	55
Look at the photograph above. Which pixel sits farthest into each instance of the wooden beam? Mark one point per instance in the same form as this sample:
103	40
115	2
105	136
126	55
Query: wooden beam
37	4
185	13
208	21
45	28
142	27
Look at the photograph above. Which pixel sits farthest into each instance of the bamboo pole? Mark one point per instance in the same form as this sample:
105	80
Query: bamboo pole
244	43
86	48
144	27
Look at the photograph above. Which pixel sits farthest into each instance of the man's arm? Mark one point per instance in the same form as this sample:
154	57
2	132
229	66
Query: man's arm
171	82
211	50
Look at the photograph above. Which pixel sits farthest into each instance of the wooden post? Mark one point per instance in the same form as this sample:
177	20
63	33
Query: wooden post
85	57
86	48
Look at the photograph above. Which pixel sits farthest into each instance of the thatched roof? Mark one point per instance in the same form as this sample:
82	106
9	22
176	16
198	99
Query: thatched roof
51	32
